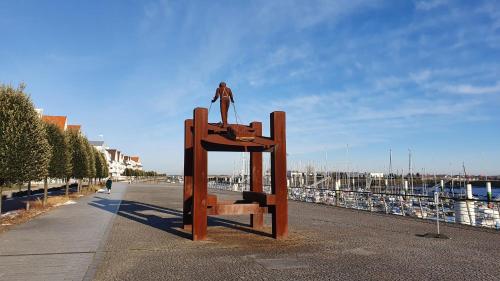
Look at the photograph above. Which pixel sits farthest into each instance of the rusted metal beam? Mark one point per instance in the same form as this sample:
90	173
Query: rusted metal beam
262	198
200	179
211	200
215	142
236	209
187	218
278	175
257	220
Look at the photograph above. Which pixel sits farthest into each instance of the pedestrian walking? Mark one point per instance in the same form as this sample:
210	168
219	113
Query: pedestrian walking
109	183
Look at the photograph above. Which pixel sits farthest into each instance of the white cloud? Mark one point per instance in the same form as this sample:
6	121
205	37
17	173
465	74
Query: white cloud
292	59
337	117
468	89
415	108
429	4
394	92
287	54
421	76
154	15
294	13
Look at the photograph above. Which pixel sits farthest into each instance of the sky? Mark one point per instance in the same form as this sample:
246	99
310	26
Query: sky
356	78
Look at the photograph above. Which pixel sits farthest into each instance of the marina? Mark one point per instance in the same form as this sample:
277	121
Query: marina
461	199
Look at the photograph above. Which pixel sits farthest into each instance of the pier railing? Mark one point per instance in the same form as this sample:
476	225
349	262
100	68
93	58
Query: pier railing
474	212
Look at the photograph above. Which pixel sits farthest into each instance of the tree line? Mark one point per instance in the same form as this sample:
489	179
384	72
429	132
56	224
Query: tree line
128	172
32	150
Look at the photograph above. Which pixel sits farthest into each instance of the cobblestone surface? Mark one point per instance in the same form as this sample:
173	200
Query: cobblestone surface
146	242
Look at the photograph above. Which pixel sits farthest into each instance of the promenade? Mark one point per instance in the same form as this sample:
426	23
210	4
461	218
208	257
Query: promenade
143	240
58	245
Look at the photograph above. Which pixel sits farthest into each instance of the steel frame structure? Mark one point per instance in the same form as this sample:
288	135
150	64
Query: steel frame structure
201	137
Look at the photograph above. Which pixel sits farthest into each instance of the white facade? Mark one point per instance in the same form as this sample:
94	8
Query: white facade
376	175
131	164
39	111
115	167
117	161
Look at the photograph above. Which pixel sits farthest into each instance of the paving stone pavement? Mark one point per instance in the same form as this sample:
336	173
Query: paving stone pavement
146	242
60	244
143	240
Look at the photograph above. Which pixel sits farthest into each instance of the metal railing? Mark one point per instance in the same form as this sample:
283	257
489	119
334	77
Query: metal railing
474	212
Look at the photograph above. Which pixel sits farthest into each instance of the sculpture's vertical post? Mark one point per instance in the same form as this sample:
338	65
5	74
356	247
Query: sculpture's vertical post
200	131
256	220
278	175
187	218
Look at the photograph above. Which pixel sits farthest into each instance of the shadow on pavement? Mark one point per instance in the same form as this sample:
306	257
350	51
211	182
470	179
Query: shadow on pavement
166	219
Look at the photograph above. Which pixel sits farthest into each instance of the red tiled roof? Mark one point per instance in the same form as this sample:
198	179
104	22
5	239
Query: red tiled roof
59	121
75	128
135	159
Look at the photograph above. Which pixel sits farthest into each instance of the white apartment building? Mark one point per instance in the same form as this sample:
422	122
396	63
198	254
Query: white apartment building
116	167
133	162
117	161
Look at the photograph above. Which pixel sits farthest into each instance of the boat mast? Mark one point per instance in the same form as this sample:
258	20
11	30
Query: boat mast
347	166
390	167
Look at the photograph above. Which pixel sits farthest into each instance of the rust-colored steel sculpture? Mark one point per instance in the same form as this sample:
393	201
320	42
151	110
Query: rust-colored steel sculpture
201	137
226	97
257	220
187	218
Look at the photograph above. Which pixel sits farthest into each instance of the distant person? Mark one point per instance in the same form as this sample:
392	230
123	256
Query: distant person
226	97
109	183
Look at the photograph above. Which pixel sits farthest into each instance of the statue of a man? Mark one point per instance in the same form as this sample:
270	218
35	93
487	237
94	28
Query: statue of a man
226	97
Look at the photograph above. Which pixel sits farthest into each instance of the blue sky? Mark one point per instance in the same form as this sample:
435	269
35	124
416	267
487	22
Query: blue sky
373	75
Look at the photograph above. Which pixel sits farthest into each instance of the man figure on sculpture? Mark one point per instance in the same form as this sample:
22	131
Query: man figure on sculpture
226	96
